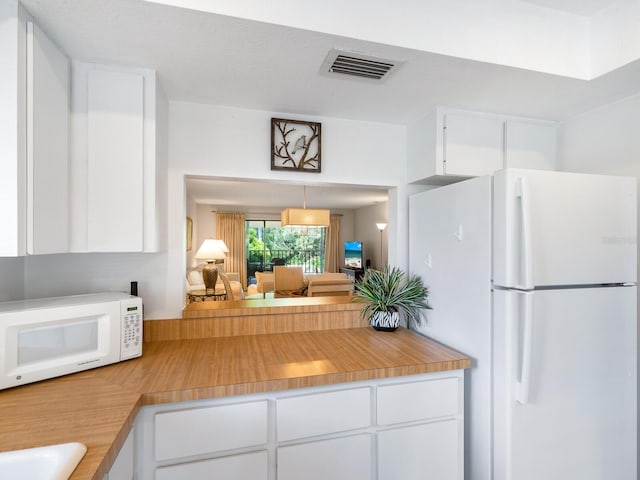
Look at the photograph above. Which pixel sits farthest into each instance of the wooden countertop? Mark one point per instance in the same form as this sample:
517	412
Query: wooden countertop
98	407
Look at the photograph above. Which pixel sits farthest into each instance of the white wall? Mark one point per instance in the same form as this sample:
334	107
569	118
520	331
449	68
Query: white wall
605	140
233	143
366	231
75	273
615	38
192	213
11	278
205	220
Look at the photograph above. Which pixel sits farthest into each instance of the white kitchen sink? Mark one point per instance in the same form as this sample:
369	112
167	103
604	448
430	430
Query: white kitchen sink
54	462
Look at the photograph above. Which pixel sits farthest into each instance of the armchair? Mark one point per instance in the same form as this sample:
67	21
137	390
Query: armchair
232	288
195	282
288	281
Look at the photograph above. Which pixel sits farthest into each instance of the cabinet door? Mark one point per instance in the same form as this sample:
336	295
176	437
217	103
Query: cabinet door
430	451
47	145
34	123
115	139
122	467
348	458
473	144
530	145
250	466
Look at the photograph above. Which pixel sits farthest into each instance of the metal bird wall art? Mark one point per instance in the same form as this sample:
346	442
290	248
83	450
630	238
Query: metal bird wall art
295	145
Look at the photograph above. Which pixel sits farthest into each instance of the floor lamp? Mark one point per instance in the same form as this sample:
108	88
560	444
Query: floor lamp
381	227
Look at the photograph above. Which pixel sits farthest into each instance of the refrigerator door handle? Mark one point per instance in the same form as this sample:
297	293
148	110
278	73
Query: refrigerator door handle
524	384
526	253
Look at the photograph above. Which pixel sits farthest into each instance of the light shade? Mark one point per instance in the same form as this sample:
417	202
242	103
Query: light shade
212	249
306	217
223	246
381	226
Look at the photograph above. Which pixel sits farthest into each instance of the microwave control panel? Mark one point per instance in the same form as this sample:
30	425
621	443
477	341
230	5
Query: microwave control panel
131	311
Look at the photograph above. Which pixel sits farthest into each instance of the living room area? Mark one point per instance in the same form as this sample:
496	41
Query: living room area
260	259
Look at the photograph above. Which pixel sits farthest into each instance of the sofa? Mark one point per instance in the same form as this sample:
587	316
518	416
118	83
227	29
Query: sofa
317	284
328	284
264	284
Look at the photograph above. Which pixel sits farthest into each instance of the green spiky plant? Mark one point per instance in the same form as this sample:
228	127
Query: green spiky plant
387	290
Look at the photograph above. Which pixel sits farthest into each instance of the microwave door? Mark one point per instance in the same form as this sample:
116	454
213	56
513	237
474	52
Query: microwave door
52	342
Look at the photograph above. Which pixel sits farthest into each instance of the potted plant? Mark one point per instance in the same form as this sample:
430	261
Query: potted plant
389	295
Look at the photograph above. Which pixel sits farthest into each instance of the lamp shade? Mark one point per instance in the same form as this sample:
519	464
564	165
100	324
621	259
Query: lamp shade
305	217
381	226
223	246
211	249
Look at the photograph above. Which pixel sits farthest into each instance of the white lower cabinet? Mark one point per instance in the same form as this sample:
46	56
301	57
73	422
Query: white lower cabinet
348	458
396	428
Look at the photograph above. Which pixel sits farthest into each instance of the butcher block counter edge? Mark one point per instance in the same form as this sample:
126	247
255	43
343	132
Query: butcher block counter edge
98	407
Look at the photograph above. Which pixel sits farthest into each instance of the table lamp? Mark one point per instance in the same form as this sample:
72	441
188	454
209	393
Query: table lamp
211	250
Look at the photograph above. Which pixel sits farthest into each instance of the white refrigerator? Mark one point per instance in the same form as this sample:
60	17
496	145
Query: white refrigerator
533	274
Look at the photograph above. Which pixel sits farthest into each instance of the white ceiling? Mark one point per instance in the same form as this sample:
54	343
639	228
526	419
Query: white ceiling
271	197
586	8
209	58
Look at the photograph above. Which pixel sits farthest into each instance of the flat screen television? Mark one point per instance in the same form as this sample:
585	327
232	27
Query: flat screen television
353	255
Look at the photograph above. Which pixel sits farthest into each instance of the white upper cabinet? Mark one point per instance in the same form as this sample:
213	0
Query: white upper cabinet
34	138
472	144
118	181
449	145
530	144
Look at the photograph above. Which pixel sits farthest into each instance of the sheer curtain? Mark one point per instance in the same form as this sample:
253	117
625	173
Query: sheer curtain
332	245
230	229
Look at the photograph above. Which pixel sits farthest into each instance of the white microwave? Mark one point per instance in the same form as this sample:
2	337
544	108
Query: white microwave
48	337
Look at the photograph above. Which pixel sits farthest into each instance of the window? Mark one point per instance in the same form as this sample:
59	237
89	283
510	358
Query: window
269	244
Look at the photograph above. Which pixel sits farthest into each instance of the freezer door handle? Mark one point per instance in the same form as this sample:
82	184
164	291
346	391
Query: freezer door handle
526	253
524	383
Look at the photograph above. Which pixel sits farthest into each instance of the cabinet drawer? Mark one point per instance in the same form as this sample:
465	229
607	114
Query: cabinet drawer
254	466
204	430
348	458
319	414
409	402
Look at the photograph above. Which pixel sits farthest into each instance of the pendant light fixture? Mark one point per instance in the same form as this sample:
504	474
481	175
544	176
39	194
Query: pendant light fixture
304	217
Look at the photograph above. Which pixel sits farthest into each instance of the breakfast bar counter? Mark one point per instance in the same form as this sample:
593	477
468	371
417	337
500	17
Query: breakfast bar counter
98	407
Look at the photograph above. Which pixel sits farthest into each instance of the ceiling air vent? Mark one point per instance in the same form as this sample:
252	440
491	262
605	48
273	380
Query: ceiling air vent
358	65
